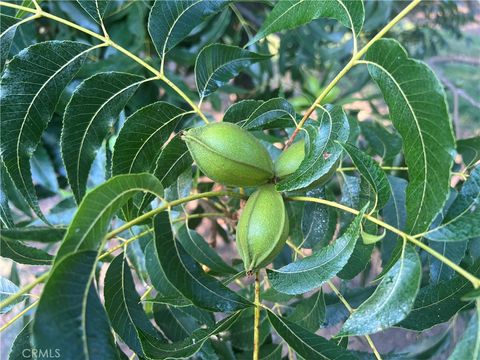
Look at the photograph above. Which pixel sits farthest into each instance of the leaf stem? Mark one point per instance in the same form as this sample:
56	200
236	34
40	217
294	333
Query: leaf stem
470	277
105	39
349	65
18	316
256	318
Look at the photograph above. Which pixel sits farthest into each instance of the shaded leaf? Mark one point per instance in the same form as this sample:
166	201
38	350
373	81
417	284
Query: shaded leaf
217	64
187	276
418	110
242	330
470	150
173	160
92	219
92	110
462	221
307	344
310	313
392	300
258	114
33	233
171	21
8	26
469	344
70	316
289	14
22	342
123	304
454	251
437	303
95	8
372	172
383	142
196	246
311	272
323	149
31	87
157	349
5	213
20	253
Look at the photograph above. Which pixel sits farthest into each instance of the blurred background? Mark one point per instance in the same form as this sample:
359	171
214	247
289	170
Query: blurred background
444	34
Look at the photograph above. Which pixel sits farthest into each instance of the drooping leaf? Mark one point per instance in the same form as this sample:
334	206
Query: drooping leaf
187	276
437	303
418	110
310	313
8	288
158	349
311	272
20	253
70	316
123	305
92	110
323	149
289	14
383	143
171	21
172	161
197	248
217	64
142	136
372	172
470	150
31	86
257	114
307	344
392	300
318	223
92	219
95	8
462	221
33	233
469	344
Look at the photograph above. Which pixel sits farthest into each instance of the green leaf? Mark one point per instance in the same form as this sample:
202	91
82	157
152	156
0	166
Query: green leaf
310	313
197	248
158	349
307	344
8	288
462	221
437	303
172	21
258	114
22	342
6	219
91	112
92	219
187	276
20	253
318	222
140	141
31	87
172	161
470	150
454	251
372	172
242	331
311	272
323	149
70	316
8	26
469	343
33	233
418	110
267	352
289	14
392	300
217	64
383	142
123	305
95	8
